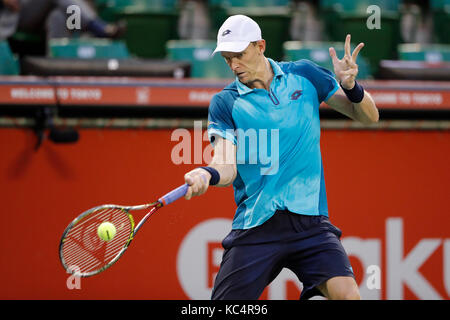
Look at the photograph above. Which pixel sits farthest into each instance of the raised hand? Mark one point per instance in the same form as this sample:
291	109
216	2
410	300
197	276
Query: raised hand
346	68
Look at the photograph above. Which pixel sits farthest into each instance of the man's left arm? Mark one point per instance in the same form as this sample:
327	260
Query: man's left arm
351	99
365	111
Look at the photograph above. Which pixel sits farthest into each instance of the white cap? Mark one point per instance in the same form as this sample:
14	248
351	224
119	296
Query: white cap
236	33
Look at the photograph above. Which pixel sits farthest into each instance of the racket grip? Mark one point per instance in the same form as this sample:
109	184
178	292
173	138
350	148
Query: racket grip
174	195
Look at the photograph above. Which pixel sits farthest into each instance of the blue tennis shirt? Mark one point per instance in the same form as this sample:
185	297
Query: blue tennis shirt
277	133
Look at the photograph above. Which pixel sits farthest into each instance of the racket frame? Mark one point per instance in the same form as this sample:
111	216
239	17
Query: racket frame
165	200
134	229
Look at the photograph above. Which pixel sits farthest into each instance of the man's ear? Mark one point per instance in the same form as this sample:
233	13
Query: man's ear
262	46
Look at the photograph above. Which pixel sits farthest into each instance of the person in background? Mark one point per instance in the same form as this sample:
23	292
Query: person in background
51	16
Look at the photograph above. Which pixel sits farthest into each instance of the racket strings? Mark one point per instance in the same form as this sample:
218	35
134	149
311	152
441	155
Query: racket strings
84	252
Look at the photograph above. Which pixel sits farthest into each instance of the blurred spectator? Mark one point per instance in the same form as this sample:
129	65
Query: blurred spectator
305	24
50	16
194	22
416	22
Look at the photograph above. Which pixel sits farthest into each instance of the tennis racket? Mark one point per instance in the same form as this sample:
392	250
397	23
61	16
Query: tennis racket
83	253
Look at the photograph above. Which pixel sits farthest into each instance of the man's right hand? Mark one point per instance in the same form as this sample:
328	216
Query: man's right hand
224	161
198	181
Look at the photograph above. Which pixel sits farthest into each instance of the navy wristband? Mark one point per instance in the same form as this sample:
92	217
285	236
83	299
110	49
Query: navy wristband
215	176
356	94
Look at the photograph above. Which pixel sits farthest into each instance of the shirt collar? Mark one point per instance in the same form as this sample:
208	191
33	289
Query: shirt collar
276	69
243	89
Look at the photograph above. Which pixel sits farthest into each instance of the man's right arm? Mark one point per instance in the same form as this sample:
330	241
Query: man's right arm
224	161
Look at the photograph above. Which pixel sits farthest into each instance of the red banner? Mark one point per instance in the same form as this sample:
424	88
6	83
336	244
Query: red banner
387	192
190	93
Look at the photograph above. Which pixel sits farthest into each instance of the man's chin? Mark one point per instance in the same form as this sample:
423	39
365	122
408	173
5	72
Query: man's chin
245	79
252	83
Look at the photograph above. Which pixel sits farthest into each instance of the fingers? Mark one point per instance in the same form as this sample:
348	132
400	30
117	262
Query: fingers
346	68
190	182
333	55
198	182
350	64
347	45
347	51
347	78
356	51
350	72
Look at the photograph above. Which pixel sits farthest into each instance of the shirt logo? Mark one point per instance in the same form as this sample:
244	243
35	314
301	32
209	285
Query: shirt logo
226	32
296	94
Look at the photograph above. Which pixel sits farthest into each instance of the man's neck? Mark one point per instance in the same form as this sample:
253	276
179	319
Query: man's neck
265	78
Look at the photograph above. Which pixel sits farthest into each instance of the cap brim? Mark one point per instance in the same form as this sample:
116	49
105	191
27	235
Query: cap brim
237	46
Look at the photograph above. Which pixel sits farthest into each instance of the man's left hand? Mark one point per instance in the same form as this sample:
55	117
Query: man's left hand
346	68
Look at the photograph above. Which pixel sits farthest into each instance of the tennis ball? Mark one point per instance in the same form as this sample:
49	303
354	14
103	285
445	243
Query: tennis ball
106	231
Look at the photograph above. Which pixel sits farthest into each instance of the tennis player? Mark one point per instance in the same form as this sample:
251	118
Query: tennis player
281	220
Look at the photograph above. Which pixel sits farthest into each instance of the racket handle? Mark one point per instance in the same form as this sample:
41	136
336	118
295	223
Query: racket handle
174	195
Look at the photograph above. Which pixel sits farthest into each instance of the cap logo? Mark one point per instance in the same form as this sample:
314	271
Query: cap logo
226	32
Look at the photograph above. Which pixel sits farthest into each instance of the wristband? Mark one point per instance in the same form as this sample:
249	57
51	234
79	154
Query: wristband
215	176
356	94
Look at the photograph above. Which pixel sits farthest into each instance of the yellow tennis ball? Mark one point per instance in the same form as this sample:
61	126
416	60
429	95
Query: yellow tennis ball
106	231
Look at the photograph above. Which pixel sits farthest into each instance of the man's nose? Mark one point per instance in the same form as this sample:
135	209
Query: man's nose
234	63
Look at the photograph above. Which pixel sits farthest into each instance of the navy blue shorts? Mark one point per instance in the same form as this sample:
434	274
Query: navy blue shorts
309	246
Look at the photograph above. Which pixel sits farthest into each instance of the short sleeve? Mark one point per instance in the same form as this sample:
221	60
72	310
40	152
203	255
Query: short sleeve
220	119
322	79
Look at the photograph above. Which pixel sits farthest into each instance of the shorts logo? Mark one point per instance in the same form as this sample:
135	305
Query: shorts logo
226	32
296	94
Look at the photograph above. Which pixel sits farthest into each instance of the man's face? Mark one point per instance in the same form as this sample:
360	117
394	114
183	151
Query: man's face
248	64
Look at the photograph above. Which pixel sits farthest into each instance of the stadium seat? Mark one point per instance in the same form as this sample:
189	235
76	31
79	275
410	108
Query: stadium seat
198	53
218	14
9	63
441	20
88	48
150	24
133	67
344	17
256	3
360	6
273	17
109	9
422	52
318	53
